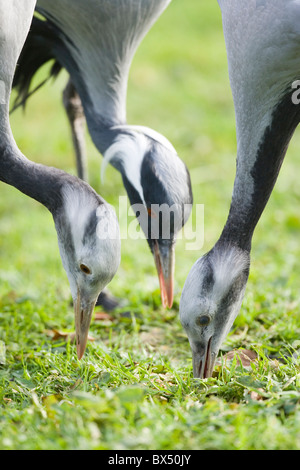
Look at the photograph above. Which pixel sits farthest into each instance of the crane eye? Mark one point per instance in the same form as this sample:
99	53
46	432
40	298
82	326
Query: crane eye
203	320
85	269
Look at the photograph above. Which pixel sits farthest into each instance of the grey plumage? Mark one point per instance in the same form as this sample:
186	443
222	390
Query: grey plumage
101	38
76	208
262	41
96	41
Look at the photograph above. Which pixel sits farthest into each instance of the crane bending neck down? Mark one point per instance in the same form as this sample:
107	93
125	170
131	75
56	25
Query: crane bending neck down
96	43
262	41
87	228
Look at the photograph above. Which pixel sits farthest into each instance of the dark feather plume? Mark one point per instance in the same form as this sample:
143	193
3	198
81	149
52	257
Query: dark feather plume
37	51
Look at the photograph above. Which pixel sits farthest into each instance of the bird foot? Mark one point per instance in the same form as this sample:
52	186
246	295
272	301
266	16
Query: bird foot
107	301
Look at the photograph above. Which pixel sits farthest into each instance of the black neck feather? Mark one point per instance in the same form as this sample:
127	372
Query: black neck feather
242	221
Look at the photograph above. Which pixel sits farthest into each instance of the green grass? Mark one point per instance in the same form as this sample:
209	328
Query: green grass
134	387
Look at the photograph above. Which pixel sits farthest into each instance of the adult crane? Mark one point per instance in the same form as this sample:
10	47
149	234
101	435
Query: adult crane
87	227
96	41
263	41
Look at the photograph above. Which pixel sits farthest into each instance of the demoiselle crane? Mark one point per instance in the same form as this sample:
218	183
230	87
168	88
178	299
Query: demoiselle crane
96	41
263	42
87	227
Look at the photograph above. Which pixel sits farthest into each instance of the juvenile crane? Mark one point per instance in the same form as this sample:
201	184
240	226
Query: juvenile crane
96	42
263	43
87	228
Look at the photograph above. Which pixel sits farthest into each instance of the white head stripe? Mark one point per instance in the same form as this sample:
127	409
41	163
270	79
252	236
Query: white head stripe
129	149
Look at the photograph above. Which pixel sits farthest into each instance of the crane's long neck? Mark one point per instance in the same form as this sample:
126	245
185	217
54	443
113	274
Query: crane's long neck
262	43
36	181
96	44
257	172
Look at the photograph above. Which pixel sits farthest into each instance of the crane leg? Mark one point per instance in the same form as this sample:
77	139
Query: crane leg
107	301
75	113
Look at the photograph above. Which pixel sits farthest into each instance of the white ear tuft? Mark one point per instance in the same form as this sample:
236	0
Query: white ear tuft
228	264
128	149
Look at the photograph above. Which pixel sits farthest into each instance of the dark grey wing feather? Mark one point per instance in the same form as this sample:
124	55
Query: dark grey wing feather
37	50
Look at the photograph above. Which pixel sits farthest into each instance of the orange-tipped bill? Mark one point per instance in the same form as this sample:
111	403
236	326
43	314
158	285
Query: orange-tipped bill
165	261
203	360
83	314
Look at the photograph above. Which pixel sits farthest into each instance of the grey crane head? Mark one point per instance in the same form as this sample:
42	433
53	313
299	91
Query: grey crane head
210	301
159	189
89	244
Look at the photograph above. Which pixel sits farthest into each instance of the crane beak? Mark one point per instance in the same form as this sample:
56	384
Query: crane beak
203	362
83	314
165	262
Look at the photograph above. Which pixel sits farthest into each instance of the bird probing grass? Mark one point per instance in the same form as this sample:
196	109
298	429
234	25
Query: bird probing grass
96	42
87	227
263	42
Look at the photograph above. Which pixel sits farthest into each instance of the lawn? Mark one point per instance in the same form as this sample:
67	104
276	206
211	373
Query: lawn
134	388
